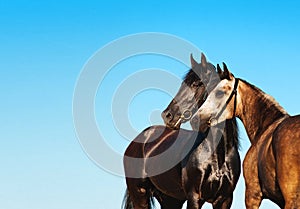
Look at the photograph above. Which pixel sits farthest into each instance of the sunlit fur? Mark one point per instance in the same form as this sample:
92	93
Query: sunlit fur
214	103
192	179
271	165
215	175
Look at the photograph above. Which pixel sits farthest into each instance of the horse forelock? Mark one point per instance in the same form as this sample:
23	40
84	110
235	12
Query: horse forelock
199	73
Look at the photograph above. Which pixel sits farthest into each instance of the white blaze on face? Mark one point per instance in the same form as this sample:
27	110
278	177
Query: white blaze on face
216	101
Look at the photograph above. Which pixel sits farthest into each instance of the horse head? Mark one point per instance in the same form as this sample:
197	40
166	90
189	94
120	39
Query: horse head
198	82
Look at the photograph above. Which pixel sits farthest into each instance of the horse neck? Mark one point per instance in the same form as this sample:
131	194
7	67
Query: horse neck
257	110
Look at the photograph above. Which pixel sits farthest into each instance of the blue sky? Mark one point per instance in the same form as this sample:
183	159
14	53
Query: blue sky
44	46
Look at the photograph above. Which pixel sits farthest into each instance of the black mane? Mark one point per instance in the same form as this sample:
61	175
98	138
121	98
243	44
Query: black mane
201	73
232	132
198	73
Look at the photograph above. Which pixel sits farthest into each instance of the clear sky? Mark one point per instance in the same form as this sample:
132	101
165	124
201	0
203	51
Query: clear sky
44	45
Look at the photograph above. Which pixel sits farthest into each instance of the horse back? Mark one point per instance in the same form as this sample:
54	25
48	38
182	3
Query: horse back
134	156
286	137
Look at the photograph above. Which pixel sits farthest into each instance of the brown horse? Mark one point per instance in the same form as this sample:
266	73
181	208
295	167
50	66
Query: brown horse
179	165
272	164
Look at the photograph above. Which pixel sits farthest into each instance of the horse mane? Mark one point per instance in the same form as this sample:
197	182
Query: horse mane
266	98
198	73
190	77
232	132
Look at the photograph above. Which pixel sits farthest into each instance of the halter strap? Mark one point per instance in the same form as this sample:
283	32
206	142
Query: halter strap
234	92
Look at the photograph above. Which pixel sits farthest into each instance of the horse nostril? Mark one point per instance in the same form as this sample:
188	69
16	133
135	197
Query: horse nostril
169	115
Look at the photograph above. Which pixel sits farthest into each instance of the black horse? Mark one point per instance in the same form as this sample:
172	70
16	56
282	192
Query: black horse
175	165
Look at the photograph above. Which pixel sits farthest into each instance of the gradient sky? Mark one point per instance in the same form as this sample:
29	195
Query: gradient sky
45	44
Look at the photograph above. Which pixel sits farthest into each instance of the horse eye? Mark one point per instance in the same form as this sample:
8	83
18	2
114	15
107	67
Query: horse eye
196	84
220	94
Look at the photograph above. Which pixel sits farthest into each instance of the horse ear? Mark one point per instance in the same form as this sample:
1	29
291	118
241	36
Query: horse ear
203	60
220	72
193	61
227	74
